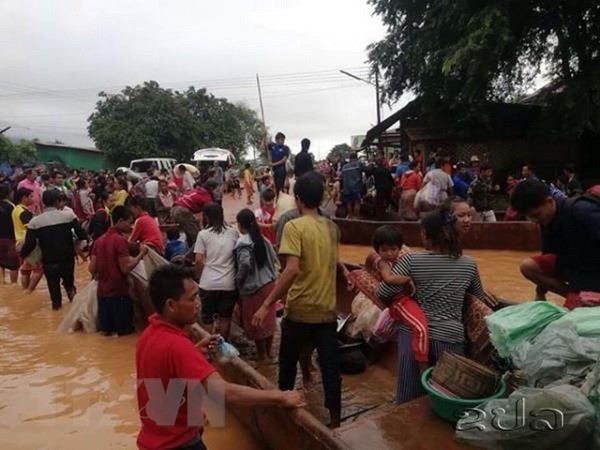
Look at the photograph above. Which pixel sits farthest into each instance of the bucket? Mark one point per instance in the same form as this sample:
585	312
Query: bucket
452	409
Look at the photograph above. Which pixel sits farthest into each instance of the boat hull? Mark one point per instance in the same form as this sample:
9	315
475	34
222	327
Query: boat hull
482	235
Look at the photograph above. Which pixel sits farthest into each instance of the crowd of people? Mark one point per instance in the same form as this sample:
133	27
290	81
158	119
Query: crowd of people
49	219
404	186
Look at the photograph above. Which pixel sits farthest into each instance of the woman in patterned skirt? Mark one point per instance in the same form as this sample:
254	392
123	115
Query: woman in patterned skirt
255	280
442	276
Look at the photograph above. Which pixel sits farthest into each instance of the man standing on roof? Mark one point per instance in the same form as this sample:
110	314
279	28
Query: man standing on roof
279	156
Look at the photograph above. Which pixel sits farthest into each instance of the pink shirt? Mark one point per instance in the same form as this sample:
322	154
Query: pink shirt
36	199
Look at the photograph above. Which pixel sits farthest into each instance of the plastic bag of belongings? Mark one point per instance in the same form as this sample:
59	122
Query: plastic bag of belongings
512	325
558	354
531	418
83	314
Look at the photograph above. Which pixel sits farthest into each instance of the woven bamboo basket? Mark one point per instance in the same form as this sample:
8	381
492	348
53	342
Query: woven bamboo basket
464	377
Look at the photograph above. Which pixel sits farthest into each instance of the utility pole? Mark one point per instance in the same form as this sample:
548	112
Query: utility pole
376	84
377	96
264	124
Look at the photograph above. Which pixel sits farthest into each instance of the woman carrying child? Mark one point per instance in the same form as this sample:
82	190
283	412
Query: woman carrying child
255	280
442	276
389	247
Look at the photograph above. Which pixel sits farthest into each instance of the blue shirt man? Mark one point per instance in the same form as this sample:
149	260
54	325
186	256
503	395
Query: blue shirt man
461	181
402	167
279	156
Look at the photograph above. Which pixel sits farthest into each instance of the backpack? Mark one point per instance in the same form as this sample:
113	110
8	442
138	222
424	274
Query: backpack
592	197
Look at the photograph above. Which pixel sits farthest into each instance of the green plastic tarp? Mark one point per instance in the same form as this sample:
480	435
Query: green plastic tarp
514	324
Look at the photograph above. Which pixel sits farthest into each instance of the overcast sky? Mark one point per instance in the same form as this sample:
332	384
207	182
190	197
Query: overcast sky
57	55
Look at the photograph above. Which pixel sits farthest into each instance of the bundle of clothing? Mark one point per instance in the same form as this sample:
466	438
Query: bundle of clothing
557	351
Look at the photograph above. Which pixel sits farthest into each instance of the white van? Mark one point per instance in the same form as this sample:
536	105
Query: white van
141	166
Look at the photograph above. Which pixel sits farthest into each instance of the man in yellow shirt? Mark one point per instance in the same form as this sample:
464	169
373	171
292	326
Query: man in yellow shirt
309	245
31	274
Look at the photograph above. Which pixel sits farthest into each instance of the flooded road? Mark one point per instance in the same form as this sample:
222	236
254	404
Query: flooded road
499	270
60	391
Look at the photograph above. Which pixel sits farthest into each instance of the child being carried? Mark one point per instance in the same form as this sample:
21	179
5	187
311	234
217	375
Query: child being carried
388	245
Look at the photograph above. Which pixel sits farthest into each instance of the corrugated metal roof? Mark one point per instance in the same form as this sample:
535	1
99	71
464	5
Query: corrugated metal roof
66	146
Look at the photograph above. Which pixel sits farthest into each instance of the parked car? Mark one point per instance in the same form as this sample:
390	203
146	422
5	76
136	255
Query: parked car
141	166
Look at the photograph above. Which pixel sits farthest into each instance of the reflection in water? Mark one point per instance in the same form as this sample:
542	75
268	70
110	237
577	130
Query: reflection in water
75	390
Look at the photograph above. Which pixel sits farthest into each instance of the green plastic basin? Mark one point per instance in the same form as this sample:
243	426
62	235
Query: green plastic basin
451	409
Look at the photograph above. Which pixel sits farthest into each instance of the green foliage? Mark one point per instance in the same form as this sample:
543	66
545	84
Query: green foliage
19	153
459	54
340	149
150	121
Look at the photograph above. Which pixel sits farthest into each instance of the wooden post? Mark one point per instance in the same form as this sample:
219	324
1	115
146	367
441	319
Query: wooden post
377	96
264	124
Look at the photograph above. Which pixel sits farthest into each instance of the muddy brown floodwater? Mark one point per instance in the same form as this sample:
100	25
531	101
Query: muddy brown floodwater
60	391
63	391
499	270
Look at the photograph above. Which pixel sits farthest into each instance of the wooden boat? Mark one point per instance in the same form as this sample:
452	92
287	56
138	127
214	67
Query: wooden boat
369	416
482	235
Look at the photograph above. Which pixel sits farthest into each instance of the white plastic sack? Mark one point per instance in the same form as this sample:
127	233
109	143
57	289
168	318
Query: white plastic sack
560	417
285	203
591	388
558	355
367	314
83	313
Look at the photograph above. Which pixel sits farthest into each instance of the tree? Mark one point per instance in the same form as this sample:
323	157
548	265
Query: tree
149	121
223	124
459	54
19	153
340	149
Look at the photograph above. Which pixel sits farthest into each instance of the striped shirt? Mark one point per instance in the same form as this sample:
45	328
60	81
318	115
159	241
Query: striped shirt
442	283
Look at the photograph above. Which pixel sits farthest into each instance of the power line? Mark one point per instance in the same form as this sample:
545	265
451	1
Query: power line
295	77
274	83
311	91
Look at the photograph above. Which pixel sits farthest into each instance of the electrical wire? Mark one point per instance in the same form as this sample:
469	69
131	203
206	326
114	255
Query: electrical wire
292	78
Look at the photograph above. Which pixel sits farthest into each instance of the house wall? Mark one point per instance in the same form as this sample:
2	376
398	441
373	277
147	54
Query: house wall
72	157
508	156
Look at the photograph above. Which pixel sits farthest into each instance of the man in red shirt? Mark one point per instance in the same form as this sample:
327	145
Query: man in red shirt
173	374
145	229
110	263
187	209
